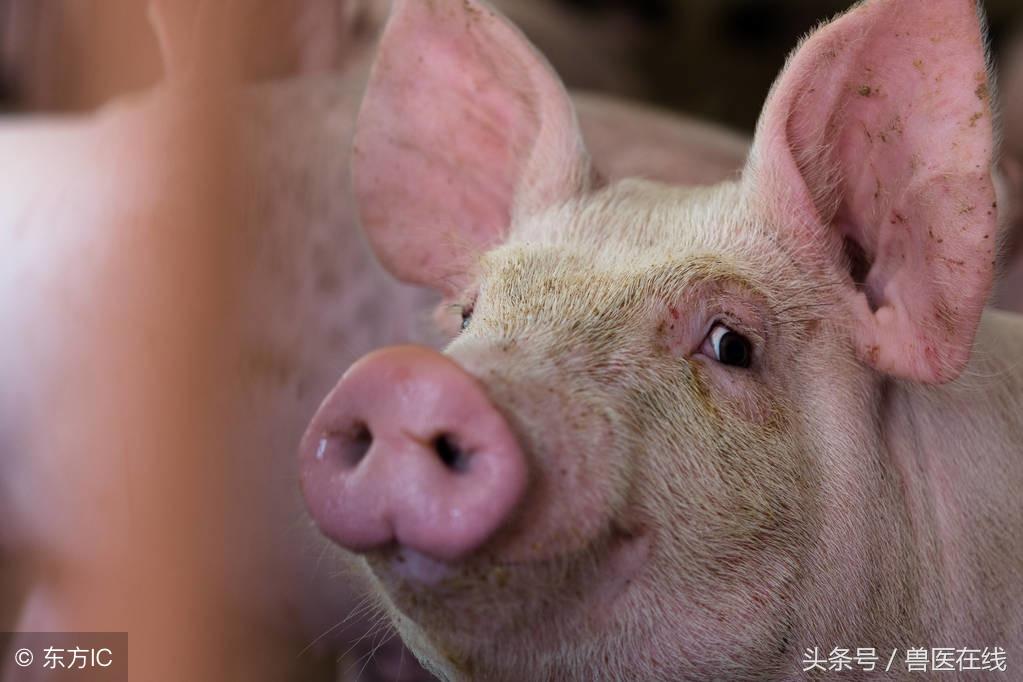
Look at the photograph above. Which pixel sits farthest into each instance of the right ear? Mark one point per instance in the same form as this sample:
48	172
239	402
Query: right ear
464	126
874	151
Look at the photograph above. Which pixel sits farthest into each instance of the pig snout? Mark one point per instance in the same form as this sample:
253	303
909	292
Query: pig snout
408	450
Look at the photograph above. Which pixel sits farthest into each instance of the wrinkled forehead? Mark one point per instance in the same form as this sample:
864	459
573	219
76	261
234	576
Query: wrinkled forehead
633	238
639	216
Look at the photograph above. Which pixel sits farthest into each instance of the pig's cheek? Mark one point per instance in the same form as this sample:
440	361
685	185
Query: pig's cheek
737	393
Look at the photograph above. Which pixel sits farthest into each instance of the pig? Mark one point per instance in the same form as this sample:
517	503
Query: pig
683	432
311	299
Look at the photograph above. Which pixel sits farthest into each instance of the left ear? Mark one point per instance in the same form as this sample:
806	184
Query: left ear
878	136
463	127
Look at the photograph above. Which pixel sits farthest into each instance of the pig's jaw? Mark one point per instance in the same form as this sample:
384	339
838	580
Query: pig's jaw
416	568
467	608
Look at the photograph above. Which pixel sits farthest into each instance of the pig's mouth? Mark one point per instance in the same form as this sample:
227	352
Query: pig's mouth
488	599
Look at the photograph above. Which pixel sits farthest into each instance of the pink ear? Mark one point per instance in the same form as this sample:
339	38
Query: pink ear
464	125
878	137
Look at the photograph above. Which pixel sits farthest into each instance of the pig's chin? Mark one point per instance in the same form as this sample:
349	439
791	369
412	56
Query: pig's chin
468	607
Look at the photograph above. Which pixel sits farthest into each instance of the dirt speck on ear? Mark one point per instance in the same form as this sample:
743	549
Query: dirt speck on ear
982	92
473	11
866	91
953	263
945	316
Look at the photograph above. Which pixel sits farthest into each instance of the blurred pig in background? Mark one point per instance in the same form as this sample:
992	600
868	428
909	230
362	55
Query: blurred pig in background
99	214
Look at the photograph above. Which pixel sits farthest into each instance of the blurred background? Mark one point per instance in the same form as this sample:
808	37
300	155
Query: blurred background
714	59
166	391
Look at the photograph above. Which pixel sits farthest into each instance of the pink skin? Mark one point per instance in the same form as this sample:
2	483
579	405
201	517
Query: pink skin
631	140
374	474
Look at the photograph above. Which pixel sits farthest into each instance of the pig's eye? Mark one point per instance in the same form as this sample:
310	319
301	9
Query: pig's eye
729	347
466	316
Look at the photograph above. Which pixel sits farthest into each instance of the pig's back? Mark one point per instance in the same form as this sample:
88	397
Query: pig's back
314	299
628	139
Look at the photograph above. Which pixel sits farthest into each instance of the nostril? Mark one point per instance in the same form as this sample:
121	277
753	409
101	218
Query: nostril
358	444
454	457
347	449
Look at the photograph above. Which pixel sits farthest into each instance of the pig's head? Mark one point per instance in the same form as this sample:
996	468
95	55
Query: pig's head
653	449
